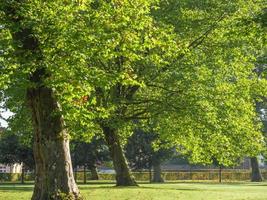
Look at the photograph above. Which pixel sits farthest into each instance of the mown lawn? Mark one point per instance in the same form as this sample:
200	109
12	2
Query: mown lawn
166	191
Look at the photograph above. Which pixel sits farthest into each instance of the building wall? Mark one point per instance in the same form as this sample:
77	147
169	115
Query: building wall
262	161
16	168
3	168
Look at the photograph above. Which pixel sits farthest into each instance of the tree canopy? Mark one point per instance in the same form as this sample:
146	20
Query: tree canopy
188	66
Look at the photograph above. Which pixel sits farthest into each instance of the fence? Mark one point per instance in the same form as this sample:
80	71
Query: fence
201	175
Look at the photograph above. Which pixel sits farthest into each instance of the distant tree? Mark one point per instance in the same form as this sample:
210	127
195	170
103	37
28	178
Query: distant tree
88	154
12	151
219	122
256	175
220	166
142	155
261	103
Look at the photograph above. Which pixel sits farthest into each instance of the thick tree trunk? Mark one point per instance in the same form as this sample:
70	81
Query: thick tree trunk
123	174
157	173
54	175
255	173
94	173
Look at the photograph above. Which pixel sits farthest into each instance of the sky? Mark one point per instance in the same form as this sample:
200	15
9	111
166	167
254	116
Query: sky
5	114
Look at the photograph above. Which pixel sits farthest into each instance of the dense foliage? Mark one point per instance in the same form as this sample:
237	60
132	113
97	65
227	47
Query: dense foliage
88	154
140	151
187	65
13	151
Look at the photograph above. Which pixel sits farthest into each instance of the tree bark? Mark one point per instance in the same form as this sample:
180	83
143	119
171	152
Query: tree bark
54	175
22	173
255	173
84	175
75	174
157	173
220	174
150	175
94	173
123	174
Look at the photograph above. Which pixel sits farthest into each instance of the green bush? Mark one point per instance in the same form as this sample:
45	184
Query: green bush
10	177
107	176
213	175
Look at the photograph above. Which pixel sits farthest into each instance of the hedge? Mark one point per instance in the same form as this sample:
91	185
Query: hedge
212	175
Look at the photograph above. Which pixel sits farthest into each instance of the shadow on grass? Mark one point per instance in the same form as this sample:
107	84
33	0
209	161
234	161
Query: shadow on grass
143	185
181	189
15	189
97	183
15	183
138	188
16	186
102	187
257	184
204	183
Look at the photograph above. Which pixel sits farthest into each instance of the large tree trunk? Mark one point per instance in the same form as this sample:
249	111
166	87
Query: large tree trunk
123	174
94	173
157	173
255	173
54	175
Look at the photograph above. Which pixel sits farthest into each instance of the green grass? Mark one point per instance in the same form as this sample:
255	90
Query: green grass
167	191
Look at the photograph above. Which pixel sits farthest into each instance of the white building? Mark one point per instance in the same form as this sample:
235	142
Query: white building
262	161
15	168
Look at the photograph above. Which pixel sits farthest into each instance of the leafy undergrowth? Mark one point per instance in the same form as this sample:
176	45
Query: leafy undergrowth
167	191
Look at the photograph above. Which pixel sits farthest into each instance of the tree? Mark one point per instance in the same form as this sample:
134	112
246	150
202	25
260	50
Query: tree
12	151
210	96
54	176
261	61
256	175
142	155
88	154
128	45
